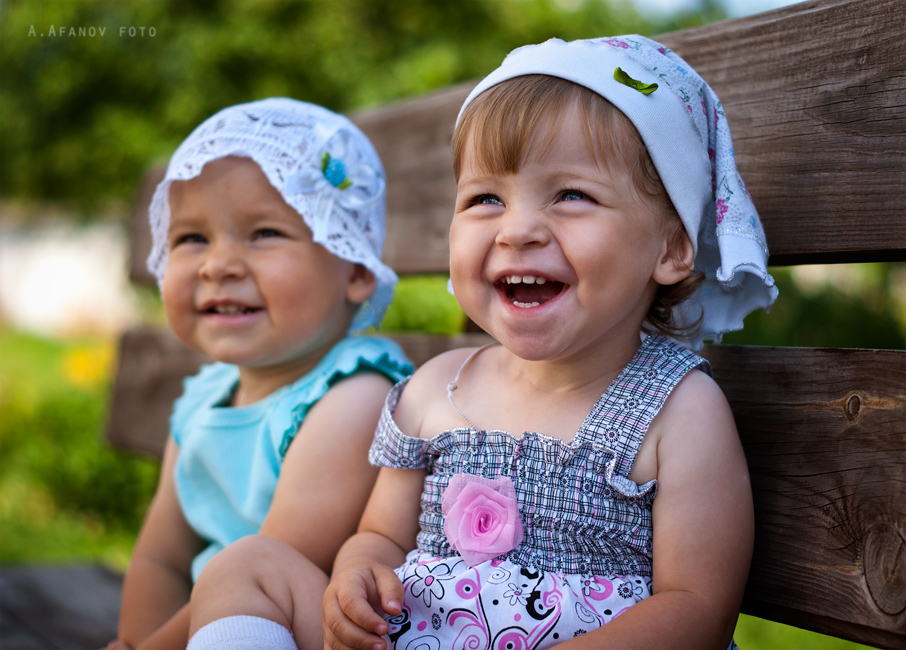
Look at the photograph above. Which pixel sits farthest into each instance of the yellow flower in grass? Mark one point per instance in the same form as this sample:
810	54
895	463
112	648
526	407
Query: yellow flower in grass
88	365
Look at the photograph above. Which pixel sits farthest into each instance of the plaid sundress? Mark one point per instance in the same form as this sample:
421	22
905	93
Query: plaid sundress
586	552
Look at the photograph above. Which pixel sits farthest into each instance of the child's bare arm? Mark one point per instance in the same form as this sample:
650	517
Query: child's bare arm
703	531
158	582
326	478
172	634
363	584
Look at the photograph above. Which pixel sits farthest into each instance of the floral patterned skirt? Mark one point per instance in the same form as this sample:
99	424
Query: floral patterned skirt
498	605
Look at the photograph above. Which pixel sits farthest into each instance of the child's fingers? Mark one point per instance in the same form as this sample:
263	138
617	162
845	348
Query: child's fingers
349	616
389	589
359	607
341	633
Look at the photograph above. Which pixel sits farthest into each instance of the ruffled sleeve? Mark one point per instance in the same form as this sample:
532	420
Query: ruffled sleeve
350	356
391	447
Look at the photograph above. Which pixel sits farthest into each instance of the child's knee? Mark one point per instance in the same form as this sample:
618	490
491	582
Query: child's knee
254	558
256	575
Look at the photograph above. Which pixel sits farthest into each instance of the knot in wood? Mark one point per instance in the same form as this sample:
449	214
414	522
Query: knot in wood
884	564
853	406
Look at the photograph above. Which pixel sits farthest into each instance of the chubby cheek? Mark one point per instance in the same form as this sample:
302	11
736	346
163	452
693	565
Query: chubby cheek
298	292
179	307
466	263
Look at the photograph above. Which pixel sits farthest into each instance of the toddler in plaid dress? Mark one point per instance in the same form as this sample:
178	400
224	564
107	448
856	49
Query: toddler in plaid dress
579	484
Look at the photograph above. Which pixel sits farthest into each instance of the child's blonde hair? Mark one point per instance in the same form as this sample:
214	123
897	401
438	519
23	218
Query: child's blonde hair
502	127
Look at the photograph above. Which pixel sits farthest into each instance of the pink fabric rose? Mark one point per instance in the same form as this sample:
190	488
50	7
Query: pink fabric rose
482	517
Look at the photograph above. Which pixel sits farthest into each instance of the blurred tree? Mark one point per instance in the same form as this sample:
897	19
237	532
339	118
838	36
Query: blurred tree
82	115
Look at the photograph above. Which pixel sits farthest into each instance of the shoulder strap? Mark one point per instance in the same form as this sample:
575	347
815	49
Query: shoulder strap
453	385
620	419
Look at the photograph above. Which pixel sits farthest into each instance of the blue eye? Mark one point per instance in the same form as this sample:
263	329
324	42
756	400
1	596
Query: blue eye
267	232
573	195
488	199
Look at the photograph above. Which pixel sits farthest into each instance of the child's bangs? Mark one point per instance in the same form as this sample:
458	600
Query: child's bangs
519	117
503	124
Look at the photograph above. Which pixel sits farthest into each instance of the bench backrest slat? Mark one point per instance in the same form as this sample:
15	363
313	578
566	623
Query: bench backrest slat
816	97
824	432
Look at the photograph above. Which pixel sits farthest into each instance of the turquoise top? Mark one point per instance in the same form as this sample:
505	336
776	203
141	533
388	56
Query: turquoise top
230	457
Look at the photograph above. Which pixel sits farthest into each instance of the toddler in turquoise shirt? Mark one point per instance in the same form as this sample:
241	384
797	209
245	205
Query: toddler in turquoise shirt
267	236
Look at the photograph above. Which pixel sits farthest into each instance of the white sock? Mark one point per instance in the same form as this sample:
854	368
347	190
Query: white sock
242	633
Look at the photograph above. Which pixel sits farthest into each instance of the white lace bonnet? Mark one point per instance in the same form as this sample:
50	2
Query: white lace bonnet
321	164
685	131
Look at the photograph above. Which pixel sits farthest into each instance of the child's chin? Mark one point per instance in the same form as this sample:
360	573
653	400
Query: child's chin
530	347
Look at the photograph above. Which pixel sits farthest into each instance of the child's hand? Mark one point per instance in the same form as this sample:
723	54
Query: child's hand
355	599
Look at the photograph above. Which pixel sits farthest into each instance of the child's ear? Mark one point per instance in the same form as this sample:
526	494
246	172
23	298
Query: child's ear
362	284
677	259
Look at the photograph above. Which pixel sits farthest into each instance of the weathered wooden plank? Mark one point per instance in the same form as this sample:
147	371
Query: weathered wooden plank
59	608
14	634
824	432
413	139
816	98
152	366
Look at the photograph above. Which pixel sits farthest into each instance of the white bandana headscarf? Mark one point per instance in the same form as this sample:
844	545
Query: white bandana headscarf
321	164
685	131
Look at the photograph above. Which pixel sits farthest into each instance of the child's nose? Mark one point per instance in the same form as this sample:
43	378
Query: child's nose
521	228
224	260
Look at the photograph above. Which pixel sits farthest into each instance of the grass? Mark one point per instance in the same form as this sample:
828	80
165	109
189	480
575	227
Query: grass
65	495
757	634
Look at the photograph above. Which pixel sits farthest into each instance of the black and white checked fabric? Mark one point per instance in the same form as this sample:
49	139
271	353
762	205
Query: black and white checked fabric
580	511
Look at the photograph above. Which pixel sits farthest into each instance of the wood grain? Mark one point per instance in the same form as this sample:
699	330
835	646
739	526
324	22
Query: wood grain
413	139
824	432
815	95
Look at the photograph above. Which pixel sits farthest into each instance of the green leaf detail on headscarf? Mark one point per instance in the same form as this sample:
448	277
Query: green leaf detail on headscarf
635	84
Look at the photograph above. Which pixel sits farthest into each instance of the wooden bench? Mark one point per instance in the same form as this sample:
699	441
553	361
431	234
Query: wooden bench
816	97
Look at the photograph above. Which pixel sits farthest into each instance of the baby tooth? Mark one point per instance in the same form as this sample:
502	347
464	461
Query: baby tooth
540	280
528	279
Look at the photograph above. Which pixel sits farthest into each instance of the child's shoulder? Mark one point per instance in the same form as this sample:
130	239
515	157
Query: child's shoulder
438	371
695	420
427	388
694	404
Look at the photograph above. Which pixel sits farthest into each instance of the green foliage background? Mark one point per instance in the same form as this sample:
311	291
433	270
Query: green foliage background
82	117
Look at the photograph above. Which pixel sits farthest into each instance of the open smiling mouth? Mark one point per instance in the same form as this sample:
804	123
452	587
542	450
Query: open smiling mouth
527	291
231	310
